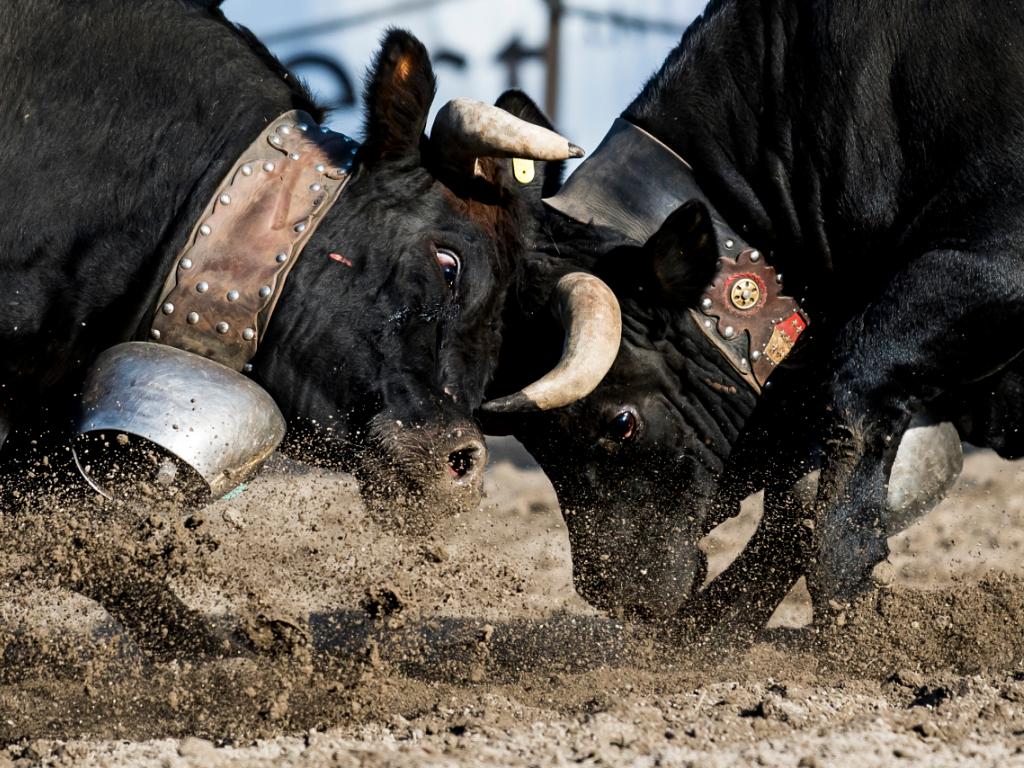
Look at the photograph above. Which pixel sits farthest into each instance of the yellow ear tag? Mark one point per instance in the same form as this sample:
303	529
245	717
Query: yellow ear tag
524	170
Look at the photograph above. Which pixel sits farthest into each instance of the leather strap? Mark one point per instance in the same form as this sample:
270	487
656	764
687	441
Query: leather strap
219	298
632	183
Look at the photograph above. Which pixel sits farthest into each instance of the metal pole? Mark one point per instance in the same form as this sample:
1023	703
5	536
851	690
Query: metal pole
553	57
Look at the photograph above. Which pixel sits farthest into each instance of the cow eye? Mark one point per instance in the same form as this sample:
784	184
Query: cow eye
623	426
450	266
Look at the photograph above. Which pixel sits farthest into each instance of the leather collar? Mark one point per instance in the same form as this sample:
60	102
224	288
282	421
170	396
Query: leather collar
226	282
632	183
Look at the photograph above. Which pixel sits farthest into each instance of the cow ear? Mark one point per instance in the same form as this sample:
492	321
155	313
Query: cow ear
398	95
683	254
673	267
534	179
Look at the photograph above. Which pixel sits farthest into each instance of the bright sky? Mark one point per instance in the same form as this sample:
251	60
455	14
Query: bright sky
604	63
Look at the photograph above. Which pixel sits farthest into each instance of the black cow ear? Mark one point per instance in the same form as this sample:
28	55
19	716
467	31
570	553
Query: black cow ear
535	179
683	253
399	92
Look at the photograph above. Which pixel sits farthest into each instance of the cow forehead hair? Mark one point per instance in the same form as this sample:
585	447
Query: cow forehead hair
492	217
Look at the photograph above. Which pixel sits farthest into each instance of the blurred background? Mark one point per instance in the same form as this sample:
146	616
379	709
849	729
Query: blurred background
582	60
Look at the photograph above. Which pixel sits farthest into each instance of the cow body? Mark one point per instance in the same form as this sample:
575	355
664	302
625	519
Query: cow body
873	151
120	121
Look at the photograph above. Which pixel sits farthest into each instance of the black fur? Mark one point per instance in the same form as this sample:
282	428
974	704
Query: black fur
874	151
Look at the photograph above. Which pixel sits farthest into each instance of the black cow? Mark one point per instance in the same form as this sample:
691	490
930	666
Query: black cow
874	153
120	120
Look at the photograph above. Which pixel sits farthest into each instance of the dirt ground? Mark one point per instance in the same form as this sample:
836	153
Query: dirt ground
472	648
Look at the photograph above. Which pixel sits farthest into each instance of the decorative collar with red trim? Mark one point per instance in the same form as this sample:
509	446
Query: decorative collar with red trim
632	183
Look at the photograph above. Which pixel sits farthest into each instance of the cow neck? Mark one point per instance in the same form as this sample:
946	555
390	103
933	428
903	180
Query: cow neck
632	183
225	283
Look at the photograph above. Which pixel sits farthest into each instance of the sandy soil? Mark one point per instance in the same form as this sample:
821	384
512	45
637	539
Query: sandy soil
472	649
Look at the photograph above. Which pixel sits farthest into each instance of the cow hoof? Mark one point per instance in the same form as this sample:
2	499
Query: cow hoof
928	463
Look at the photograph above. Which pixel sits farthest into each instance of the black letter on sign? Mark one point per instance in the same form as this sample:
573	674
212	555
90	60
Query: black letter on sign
346	94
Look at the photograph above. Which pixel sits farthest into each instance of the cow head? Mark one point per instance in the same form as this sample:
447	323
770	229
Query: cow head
389	326
634	463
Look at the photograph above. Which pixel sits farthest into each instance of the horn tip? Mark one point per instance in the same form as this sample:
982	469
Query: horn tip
575	151
517	403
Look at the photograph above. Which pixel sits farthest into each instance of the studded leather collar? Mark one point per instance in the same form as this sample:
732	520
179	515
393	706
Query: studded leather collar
632	183
226	282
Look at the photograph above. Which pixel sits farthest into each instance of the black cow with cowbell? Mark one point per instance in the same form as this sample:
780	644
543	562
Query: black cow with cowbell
212	271
877	179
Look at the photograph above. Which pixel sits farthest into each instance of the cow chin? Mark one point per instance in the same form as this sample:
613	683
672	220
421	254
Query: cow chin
413	477
644	574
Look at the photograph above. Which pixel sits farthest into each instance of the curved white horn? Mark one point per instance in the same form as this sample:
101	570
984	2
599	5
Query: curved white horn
475	129
593	329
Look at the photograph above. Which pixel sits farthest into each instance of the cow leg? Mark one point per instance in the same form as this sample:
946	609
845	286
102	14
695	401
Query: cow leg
778	447
930	331
91	550
741	599
157	620
739	602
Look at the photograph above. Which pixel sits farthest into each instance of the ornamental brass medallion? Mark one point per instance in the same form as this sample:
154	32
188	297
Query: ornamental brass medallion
745	293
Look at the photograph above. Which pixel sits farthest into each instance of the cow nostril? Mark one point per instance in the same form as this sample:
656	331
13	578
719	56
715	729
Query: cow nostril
465	460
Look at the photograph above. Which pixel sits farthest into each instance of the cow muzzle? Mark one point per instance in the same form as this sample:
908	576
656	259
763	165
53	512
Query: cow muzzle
417	475
157	417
